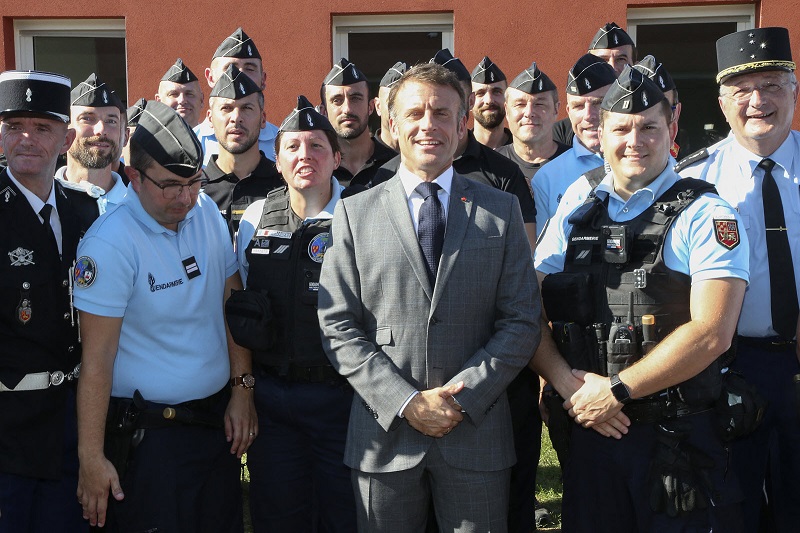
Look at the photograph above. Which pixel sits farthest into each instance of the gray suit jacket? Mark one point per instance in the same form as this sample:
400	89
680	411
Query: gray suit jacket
390	334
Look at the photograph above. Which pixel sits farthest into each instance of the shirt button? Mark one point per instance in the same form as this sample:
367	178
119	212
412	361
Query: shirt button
64	283
624	209
66	316
71	349
26	285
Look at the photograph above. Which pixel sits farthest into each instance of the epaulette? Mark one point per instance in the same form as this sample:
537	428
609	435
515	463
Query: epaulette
84	186
691	159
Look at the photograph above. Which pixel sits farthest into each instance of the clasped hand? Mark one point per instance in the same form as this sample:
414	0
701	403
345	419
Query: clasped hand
434	412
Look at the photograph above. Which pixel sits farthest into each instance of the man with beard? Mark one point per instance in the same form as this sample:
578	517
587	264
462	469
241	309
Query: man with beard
180	90
240	50
384	134
531	105
588	81
99	119
489	85
346	103
240	174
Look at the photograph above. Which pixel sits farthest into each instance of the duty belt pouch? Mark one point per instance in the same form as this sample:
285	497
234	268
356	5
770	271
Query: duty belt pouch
739	407
574	345
122	431
567	297
249	316
703	389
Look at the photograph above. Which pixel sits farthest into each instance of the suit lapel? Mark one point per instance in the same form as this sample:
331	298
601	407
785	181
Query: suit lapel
395	202
459	213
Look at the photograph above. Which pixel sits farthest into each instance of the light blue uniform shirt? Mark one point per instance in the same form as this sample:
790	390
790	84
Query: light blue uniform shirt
555	176
208	140
252	216
690	247
172	345
732	169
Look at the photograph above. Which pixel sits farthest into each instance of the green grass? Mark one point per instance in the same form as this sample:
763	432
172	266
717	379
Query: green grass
548	485
548	482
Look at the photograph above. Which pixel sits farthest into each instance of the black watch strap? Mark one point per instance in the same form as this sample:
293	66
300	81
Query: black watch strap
620	390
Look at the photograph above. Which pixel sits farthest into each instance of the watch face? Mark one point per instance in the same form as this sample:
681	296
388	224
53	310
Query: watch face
249	381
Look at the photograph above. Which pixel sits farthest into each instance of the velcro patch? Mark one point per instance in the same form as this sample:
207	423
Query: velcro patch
727	233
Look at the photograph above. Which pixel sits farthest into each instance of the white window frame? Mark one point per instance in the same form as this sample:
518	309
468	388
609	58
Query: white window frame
344	25
743	14
26	29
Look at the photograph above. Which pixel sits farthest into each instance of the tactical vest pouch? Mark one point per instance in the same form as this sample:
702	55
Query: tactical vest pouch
739	407
249	316
567	297
575	345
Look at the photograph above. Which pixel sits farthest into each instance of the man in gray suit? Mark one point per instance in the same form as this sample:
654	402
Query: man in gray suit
429	324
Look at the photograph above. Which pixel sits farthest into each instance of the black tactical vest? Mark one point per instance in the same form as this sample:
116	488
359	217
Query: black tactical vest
657	290
286	266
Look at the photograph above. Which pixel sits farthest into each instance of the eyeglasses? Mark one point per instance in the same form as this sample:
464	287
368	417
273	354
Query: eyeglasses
742	95
173	190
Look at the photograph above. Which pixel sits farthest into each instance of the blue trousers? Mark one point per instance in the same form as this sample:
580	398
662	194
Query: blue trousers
606	485
29	505
776	441
298	480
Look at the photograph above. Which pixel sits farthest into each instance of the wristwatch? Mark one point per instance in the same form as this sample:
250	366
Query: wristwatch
246	381
620	390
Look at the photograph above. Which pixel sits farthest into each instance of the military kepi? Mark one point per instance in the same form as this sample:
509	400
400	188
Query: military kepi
234	84
633	92
238	45
37	92
394	74
305	118
487	72
533	81
752	51
453	64
610	36
179	73
94	92
344	73
166	137
589	74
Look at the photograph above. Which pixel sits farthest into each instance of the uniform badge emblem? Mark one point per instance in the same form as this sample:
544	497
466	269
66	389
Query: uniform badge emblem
241	87
24	311
541	85
644	99
85	272
21	257
249	50
661	82
7	194
491	76
28	95
309	120
616	39
727	233
317	247
105	97
586	82
626	104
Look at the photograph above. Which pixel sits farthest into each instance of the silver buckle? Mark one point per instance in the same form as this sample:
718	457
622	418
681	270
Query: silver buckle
56	378
639	278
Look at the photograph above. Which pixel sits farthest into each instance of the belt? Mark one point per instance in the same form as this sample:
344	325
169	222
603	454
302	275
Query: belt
657	410
305	374
43	380
769	344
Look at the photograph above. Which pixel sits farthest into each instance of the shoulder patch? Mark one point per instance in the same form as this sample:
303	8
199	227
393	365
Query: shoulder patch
726	231
691	159
85	272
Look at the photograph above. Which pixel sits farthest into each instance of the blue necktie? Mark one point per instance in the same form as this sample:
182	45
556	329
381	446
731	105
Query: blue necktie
431	227
783	290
